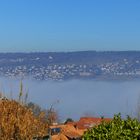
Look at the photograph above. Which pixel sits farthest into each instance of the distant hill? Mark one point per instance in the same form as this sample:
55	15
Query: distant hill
71	65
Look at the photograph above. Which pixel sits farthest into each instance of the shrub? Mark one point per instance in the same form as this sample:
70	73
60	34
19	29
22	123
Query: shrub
117	129
17	122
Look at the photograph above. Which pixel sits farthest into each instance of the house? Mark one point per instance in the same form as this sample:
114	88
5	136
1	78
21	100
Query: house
67	131
88	122
73	130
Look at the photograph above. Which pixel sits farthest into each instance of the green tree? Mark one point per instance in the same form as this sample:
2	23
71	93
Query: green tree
117	129
68	120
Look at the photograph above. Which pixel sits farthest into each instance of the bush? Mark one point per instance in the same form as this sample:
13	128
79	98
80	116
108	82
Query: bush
117	129
17	122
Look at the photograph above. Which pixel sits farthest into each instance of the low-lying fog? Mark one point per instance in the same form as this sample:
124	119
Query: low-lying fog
77	98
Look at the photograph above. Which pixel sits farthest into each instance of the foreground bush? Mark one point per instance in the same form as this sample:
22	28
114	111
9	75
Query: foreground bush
117	129
18	122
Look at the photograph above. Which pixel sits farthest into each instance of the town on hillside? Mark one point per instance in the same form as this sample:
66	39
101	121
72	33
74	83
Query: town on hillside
59	66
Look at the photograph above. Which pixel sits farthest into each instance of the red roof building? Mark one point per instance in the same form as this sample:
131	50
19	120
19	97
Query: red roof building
89	122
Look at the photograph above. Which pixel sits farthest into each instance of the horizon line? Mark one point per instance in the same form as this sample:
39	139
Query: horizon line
70	51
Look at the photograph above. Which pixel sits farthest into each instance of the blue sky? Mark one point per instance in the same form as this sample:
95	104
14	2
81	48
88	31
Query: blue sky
69	25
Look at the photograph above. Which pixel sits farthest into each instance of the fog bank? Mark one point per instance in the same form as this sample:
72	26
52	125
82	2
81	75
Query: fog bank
76	98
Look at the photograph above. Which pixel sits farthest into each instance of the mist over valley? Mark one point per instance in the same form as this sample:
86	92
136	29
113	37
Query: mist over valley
76	98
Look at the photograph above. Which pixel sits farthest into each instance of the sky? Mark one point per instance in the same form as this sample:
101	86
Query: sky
69	25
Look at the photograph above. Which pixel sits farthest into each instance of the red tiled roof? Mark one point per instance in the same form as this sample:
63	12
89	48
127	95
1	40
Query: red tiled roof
69	131
88	122
59	137
77	129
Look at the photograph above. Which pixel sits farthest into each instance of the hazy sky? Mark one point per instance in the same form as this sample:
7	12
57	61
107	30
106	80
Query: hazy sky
69	25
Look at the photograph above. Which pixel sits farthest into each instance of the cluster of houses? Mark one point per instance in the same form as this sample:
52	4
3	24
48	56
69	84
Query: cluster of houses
72	130
63	66
60	72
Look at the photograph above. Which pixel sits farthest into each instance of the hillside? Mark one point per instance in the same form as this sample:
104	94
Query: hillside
71	65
